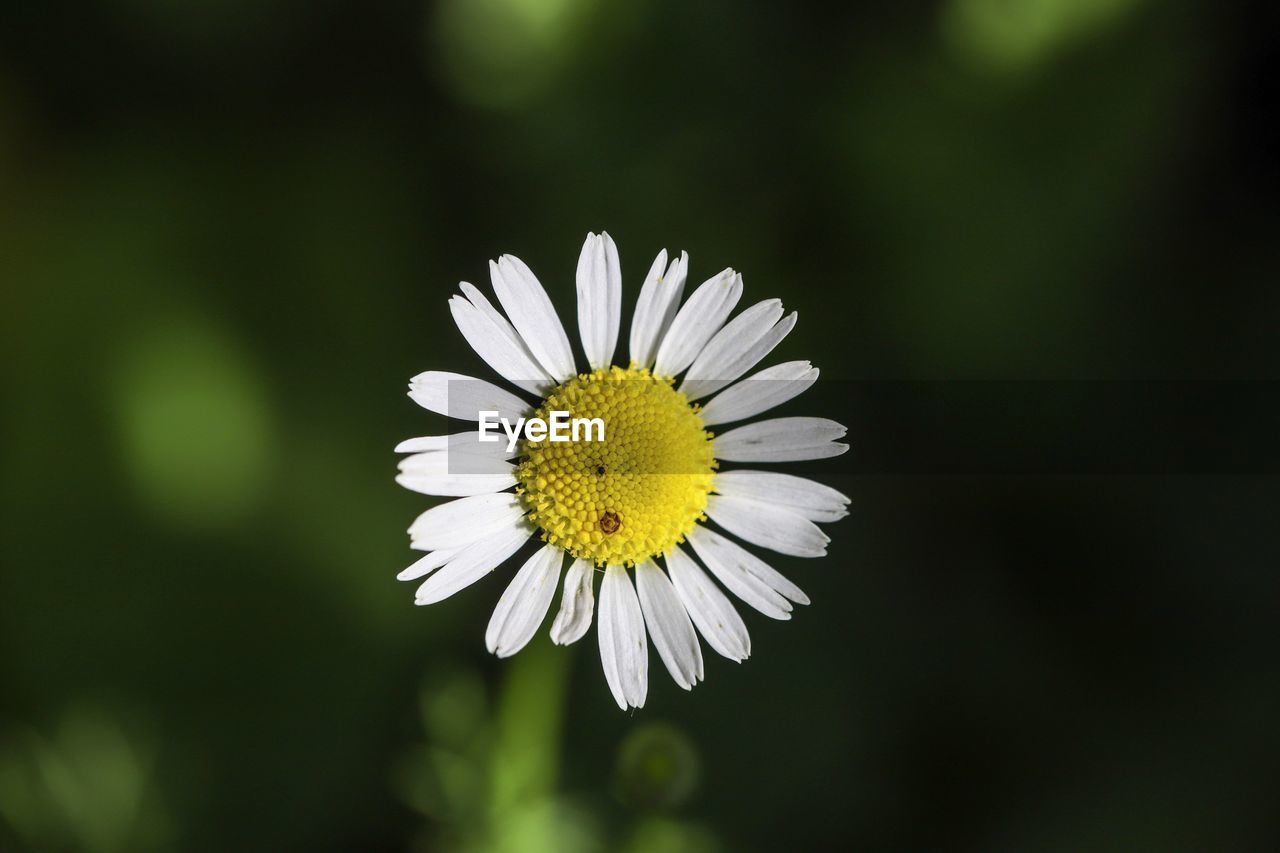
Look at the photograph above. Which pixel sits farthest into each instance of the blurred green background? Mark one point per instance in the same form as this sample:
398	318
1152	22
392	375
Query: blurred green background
228	231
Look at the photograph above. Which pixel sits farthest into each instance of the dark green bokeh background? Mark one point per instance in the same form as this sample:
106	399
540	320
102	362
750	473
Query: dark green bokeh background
227	236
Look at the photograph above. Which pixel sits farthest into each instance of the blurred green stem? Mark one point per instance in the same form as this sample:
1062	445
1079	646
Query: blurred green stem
526	757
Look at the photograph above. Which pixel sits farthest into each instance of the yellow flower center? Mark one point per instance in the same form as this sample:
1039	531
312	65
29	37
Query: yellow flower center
633	495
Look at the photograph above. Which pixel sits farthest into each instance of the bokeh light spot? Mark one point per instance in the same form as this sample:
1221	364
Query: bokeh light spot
1010	36
501	54
657	769
88	787
193	423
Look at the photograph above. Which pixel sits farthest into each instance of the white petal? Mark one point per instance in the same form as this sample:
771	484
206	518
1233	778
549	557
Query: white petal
699	319
768	525
760	392
444	462
459	442
495	340
710	609
624	651
657	306
463	397
438	472
727	549
576	605
599	299
472	563
669	625
746	575
503	325
533	315
455	485
781	440
737	348
461	522
524	604
426	565
804	497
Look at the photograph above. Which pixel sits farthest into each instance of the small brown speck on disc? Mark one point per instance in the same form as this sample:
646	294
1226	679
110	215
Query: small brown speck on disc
609	522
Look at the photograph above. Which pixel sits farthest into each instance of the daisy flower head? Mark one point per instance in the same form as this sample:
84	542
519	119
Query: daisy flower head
627	501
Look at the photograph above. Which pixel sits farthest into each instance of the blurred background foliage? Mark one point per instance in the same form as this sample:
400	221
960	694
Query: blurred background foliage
227	234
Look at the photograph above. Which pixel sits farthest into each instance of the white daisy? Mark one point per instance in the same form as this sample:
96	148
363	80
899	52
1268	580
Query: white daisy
622	508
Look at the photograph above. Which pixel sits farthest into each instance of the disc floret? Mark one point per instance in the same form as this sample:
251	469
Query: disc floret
633	495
